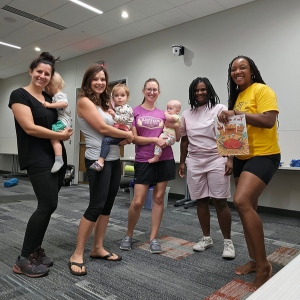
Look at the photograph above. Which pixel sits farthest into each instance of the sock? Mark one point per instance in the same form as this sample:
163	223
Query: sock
227	240
58	164
206	237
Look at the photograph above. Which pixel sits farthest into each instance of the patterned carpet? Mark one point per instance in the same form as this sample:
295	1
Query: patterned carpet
178	273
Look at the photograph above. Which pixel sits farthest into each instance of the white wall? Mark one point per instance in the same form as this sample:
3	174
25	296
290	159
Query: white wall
265	30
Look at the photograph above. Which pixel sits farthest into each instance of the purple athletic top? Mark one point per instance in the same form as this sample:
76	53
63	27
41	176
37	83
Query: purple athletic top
149	123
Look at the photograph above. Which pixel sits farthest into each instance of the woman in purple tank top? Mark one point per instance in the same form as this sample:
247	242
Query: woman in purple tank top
147	126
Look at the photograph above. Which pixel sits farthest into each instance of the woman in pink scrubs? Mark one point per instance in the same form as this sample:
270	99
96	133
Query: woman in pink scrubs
207	172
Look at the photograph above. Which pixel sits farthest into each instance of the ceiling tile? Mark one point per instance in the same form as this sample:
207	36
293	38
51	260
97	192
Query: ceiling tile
24	66
4	2
4	50
150	8
55	18
8	27
47	5
125	33
3	67
38	29
74	11
172	17
21	38
201	8
31	8
104	5
67	37
133	15
124	1
49	44
232	3
179	2
147	26
19	56
67	52
9	72
102	23
97	42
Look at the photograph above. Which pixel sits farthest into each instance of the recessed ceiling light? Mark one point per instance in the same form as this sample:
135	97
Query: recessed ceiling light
87	6
9	45
124	14
37	49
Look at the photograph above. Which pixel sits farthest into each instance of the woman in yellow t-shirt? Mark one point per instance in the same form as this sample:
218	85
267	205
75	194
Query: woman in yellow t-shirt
248	95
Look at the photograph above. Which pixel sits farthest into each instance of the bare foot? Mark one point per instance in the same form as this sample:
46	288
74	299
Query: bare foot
261	277
77	259
249	267
153	159
102	252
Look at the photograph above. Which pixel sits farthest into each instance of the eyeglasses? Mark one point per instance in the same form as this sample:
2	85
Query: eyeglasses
152	90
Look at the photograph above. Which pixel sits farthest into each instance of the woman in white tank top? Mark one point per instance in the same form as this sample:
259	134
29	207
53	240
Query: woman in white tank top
95	123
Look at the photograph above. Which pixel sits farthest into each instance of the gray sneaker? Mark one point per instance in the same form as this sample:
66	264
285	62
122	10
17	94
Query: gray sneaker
30	267
155	246
126	243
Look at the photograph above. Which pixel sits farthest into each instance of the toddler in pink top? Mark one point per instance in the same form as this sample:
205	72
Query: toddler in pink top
173	109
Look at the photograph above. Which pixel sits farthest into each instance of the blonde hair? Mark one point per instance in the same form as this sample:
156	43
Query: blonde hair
120	86
56	78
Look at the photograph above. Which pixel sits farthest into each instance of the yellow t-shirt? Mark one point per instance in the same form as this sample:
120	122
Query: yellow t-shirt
259	98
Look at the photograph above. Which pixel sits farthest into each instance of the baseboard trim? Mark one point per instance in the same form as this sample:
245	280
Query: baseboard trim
261	209
274	211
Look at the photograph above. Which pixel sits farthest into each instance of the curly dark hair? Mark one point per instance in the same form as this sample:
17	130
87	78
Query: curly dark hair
212	97
44	58
86	90
232	88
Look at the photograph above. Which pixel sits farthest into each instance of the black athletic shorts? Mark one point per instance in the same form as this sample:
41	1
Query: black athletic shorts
152	174
264	167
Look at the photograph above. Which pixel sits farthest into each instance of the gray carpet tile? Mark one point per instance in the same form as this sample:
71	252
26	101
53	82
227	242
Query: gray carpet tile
140	275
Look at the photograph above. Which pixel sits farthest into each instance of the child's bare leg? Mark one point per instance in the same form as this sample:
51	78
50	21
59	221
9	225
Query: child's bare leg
157	154
58	156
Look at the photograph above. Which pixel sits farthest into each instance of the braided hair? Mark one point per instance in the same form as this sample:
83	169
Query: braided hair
233	90
212	97
44	58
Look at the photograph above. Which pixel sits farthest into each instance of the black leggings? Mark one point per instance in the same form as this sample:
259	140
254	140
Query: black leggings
104	187
46	186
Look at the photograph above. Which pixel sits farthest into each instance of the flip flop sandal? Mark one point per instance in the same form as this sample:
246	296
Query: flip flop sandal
106	257
78	265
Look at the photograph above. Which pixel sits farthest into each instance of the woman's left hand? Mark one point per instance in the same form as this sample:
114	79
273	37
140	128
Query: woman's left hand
229	166
223	117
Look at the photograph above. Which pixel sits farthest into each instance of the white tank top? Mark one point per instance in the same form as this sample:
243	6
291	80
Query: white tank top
93	138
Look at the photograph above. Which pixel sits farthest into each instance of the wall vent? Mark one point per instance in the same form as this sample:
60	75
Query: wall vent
33	17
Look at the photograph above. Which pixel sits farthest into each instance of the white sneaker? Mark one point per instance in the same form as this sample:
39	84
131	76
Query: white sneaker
203	244
229	251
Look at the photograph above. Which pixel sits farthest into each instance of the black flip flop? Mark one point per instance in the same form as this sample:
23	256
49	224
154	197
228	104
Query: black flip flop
78	265
106	257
